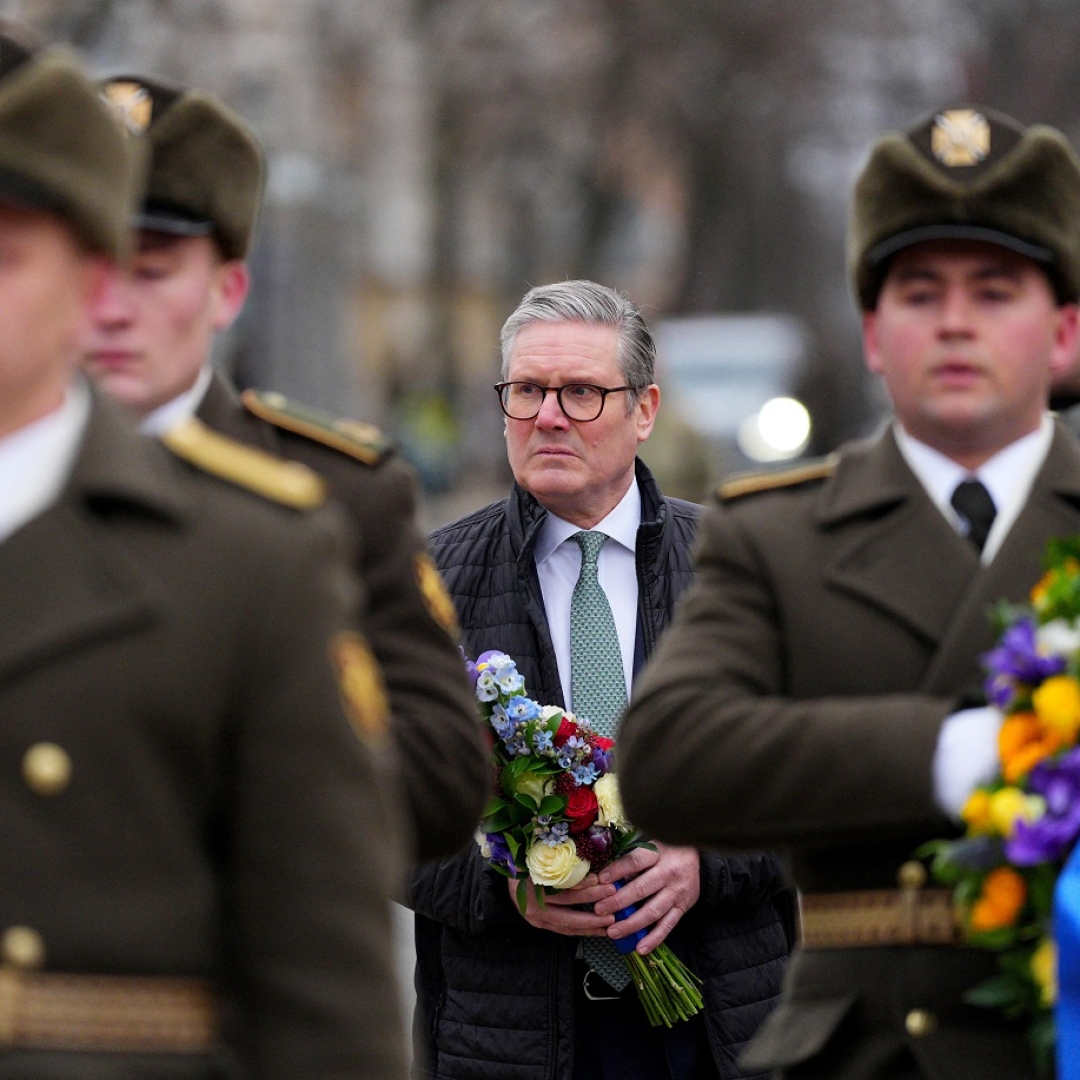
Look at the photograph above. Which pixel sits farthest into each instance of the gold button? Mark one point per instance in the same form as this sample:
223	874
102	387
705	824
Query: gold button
920	1022
22	947
912	875
46	768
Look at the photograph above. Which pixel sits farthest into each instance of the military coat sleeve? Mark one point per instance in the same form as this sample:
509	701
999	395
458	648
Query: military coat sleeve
717	750
410	622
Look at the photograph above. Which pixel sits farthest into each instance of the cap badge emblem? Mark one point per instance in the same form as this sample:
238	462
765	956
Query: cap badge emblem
960	137
131	104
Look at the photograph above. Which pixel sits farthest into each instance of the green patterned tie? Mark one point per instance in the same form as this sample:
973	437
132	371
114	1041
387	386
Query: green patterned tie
598	686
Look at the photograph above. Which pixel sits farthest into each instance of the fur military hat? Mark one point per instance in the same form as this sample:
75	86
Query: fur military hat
206	167
972	174
60	150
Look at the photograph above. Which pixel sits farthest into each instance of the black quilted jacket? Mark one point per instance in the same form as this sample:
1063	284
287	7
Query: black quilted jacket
495	995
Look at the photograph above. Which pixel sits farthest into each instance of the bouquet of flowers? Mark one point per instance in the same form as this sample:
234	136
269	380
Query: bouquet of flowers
1021	828
555	816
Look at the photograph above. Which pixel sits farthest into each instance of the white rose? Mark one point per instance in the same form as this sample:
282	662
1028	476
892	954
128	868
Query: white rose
609	800
482	843
535	785
557	865
548	711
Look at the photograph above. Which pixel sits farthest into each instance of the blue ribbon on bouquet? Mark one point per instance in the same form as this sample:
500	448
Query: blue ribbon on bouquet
628	944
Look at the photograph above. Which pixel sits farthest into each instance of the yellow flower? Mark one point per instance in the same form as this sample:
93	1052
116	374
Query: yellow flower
1009	805
1044	971
1057	704
557	865
609	802
1003	894
976	812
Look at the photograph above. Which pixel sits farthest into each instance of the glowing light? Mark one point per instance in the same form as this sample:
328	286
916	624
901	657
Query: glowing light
780	430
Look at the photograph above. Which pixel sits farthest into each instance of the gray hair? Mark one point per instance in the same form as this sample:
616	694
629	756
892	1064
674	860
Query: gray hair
595	305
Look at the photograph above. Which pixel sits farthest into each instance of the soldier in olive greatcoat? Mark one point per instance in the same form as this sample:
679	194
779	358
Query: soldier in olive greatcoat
150	349
196	845
813	693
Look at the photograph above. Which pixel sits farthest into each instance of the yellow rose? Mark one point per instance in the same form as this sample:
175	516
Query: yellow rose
534	785
1044	971
557	865
1057	704
1009	805
609	801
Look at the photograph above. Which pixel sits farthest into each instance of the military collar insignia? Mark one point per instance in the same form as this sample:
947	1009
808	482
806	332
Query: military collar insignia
960	138
131	103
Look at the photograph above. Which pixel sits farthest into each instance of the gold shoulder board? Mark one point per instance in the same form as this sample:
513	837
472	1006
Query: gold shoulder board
286	482
752	483
365	442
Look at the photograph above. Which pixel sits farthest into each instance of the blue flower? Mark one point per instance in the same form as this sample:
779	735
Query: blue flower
486	687
503	725
510	682
542	740
523	709
585	774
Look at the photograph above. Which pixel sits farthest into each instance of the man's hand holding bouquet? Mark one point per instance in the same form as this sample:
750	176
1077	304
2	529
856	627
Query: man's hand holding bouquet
555	827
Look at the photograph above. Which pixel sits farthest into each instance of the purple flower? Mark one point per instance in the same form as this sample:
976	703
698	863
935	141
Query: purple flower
602	760
600	836
1015	659
500	852
1049	838
470	668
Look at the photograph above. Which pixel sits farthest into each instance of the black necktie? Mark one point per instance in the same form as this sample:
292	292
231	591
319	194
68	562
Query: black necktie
973	503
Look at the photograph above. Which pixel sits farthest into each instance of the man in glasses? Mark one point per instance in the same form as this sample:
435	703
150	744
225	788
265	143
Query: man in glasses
575	575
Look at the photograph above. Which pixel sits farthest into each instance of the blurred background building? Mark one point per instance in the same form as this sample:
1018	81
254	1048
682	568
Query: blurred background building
430	160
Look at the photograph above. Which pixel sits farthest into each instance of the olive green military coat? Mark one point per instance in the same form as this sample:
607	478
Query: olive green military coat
171	633
796	703
442	758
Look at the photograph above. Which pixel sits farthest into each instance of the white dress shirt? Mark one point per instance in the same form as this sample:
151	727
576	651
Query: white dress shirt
558	565
180	408
35	461
1007	476
966	753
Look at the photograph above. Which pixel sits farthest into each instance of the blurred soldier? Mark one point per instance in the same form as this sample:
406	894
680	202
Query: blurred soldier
811	694
195	849
150	349
543	995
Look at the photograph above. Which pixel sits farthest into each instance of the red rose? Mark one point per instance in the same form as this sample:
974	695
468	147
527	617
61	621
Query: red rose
601	742
581	809
567	728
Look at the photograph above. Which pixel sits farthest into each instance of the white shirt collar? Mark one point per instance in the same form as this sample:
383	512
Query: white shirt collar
1008	476
182	407
35	461
621	525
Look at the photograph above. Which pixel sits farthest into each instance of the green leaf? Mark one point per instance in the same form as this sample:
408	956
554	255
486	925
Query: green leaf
522	895
553	804
998	992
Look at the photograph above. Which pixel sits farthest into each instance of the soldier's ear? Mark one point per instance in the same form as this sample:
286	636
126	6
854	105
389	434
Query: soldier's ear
871	353
231	286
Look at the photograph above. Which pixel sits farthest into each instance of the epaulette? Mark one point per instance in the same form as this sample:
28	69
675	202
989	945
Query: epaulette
365	442
286	482
771	480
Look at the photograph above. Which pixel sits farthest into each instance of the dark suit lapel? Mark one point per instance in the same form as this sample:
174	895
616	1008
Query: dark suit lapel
900	555
1052	510
64	577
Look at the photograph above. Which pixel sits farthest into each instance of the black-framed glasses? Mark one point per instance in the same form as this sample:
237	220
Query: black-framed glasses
579	401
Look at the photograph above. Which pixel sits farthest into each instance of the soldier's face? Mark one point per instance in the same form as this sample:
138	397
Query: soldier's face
967	337
578	471
155	322
47	282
